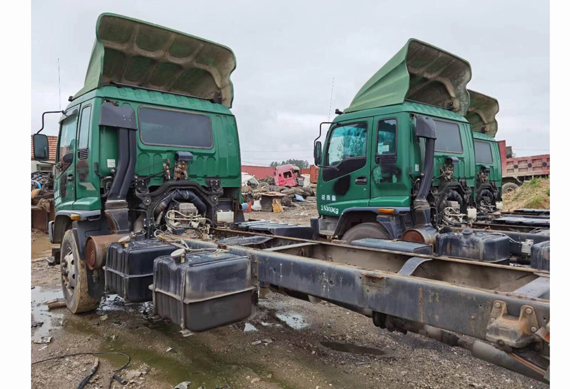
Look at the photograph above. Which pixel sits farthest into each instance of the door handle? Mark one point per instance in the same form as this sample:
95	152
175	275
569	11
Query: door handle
70	177
361	180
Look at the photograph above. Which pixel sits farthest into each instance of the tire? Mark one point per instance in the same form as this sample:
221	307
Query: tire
365	230
509	187
74	277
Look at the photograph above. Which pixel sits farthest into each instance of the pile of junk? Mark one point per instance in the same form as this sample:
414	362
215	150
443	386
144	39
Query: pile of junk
43	210
264	195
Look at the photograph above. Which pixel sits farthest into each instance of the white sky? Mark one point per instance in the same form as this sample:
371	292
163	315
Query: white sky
288	53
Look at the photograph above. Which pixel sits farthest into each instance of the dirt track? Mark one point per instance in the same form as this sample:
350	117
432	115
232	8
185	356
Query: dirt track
288	344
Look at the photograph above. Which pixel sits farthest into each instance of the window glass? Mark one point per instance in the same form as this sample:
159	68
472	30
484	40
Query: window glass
448	137
174	128
67	137
348	141
84	127
386	137
483	152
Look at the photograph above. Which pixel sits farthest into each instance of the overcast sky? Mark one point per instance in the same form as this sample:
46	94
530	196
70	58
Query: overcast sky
289	53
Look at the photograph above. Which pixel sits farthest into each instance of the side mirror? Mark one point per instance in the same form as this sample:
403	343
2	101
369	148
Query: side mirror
318	153
67	158
41	147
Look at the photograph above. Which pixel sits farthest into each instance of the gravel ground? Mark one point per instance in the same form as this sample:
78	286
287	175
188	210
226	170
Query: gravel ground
288	343
299	213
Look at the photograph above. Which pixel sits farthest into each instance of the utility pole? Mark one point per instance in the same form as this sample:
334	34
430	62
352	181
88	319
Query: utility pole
59	84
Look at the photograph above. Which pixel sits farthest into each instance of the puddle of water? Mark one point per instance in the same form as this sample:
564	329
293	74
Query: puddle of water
40	313
293	320
353	349
249	328
270	324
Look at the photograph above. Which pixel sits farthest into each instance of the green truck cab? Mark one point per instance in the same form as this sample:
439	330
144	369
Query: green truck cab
376	154
489	177
482	114
149	143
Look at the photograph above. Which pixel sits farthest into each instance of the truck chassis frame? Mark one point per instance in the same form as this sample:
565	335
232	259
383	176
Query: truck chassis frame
505	309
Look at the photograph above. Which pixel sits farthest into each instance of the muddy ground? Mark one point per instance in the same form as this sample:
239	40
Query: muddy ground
287	344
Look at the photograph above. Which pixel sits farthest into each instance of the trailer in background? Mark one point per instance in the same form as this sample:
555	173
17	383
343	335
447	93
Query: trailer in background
516	170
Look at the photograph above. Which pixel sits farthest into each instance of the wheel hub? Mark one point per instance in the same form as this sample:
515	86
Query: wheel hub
68	272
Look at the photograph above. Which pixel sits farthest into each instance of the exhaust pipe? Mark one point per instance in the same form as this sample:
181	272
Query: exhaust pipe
423	231
116	207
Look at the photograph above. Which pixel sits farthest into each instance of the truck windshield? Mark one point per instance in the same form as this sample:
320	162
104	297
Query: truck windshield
483	152
347	141
174	128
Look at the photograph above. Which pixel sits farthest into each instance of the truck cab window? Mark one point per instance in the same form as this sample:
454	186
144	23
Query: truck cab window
346	141
448	137
84	127
483	152
175	128
386	137
67	137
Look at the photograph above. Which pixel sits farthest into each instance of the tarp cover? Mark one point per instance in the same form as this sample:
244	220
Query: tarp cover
418	72
482	113
137	53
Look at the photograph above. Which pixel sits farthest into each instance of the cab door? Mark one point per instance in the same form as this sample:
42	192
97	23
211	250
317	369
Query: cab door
389	175
64	177
87	183
345	174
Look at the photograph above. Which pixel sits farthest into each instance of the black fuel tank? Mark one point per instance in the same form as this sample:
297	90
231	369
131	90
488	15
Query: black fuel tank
476	246
128	270
207	290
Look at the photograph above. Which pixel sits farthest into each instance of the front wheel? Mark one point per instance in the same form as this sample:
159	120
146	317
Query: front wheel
74	277
365	230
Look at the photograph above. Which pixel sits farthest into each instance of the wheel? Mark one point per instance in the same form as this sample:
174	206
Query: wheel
74	277
365	230
509	187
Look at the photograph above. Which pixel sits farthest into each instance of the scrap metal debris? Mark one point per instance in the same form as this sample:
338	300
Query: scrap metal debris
56	305
43	339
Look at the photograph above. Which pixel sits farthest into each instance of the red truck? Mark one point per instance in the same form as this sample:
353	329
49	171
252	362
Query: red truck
288	175
516	170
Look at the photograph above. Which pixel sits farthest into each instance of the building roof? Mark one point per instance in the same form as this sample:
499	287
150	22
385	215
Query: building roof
52	142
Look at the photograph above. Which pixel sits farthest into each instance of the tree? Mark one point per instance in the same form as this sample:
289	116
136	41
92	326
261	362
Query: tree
297	162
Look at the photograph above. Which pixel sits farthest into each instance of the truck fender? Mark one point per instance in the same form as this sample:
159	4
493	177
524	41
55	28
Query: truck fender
394	225
61	224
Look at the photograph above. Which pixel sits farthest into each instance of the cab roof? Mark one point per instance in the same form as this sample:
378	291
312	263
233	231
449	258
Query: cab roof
407	106
135	53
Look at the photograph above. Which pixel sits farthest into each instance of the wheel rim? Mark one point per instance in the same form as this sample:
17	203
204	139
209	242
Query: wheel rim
68	273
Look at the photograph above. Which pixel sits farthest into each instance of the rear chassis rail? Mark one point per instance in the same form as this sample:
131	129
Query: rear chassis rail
506	306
